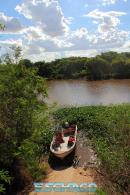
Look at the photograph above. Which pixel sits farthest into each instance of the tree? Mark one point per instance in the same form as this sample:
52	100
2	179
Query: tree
16	53
25	130
44	69
12	58
119	68
109	56
2	26
27	63
6	59
97	68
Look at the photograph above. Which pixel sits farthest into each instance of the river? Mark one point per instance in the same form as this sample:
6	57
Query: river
81	92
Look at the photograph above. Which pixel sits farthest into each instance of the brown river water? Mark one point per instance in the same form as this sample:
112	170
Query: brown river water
81	92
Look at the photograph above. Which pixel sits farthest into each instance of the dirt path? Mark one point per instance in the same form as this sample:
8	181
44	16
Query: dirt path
63	171
71	175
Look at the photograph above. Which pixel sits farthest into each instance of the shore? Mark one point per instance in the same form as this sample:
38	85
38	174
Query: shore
64	171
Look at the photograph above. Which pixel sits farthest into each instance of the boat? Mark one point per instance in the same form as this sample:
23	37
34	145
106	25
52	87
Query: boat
64	141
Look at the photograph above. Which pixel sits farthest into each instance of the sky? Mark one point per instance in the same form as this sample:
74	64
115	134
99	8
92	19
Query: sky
51	29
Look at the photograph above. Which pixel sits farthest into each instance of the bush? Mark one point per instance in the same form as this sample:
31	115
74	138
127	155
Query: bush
4	179
25	129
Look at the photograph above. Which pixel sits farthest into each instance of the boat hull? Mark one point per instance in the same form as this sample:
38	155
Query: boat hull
62	155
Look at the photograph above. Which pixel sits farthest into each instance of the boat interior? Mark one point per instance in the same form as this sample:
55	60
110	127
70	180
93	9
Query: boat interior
64	139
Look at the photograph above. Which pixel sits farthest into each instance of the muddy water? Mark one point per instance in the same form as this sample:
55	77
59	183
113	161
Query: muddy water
80	92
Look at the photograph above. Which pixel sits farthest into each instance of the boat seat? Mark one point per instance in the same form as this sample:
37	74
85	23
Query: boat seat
69	131
64	145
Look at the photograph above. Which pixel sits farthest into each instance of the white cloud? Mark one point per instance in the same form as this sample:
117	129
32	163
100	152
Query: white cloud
76	40
9	42
78	43
34	33
81	39
49	36
95	22
108	33
108	21
12	25
6	44
47	56
81	53
47	14
110	2
99	15
81	32
111	40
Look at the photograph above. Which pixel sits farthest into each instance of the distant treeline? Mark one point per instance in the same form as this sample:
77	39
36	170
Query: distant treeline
105	66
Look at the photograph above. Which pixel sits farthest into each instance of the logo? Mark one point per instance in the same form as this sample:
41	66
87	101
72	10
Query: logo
62	187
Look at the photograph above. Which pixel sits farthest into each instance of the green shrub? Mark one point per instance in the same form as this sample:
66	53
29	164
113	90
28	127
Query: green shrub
25	129
108	127
100	191
4	179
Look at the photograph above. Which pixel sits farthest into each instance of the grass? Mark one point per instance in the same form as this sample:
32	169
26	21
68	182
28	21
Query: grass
108	128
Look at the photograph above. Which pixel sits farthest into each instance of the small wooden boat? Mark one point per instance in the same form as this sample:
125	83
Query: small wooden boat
64	141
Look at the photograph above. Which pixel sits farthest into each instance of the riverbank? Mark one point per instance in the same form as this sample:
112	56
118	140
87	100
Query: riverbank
104	66
108	128
103	149
86	170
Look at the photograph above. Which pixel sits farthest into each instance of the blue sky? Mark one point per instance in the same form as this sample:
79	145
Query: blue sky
49	29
